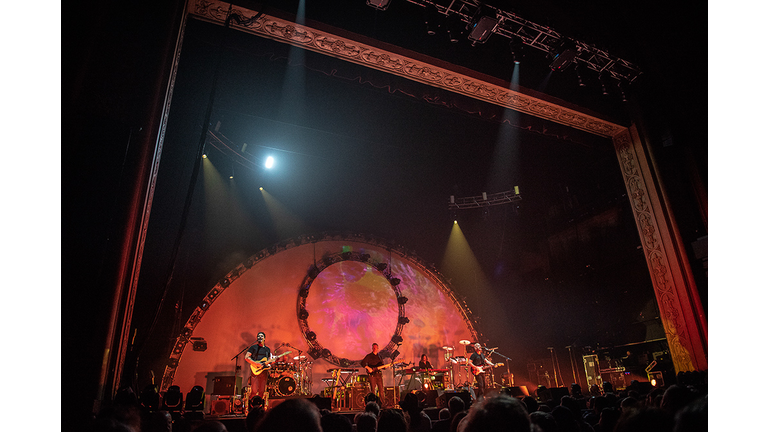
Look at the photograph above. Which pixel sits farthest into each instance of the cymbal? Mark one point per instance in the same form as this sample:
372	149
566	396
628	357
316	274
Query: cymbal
301	357
447	348
464	342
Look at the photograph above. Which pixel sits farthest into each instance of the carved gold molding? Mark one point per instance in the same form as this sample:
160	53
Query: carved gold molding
396	64
672	317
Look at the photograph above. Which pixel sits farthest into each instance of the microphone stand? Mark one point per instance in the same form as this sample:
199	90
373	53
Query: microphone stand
493	351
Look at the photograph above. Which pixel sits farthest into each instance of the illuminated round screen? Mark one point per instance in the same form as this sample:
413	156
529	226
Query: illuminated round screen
352	305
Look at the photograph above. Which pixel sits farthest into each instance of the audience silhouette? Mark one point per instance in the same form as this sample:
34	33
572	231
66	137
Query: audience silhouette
679	407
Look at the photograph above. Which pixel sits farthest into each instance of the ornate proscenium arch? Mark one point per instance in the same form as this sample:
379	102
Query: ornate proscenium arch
316	349
684	320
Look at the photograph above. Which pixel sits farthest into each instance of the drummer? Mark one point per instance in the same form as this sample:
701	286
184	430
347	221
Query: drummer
424	363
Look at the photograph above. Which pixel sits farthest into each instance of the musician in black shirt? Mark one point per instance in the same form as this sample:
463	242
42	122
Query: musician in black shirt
477	362
424	362
259	370
373	365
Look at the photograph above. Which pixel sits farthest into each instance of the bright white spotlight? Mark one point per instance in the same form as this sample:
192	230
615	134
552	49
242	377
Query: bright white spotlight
270	162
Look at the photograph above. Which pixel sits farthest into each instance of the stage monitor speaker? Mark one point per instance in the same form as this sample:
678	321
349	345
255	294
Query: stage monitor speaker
356	398
221	405
431	400
442	400
517	391
391	397
226	385
558	393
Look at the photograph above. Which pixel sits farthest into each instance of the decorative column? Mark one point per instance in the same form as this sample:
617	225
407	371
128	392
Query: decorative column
682	314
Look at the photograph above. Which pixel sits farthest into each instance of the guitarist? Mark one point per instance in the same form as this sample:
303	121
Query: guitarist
477	363
256	352
373	365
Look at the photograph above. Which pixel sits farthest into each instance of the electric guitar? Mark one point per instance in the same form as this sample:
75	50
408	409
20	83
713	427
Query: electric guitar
259	366
371	369
477	370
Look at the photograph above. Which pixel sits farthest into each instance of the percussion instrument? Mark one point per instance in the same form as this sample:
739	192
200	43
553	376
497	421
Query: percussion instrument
286	386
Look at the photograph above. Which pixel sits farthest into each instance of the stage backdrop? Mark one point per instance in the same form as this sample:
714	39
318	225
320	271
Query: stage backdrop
355	290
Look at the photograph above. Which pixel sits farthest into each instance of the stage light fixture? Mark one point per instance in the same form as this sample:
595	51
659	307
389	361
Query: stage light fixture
205	156
454	28
199	344
516	51
602	84
394	281
269	163
378	4
402	300
563	55
173	399
311	336
481	29
150	398
432	20
303	314
621	91
195	399
381	266
397	339
403	320
326	353
578	75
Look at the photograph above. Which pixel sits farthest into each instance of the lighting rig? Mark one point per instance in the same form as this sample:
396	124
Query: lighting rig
484	20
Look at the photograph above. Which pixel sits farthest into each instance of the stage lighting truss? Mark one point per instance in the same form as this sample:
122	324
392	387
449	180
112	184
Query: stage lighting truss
316	349
537	36
485	200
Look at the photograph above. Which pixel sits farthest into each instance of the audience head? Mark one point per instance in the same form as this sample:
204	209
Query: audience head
571	404
298	415
645	420
497	413
253	417
158	421
565	419
211	426
373	408
444	414
457	418
693	418
608	419
576	390
545	421
456	405
391	420
675	398
335	422
365	422
530	404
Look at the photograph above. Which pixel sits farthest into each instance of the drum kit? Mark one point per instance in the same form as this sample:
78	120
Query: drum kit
290	378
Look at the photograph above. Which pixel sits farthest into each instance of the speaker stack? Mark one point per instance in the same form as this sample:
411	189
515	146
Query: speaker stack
221	405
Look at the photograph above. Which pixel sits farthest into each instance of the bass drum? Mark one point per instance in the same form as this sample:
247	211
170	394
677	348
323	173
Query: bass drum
286	386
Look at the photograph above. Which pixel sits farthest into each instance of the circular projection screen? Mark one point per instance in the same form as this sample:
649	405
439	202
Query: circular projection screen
354	305
326	299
